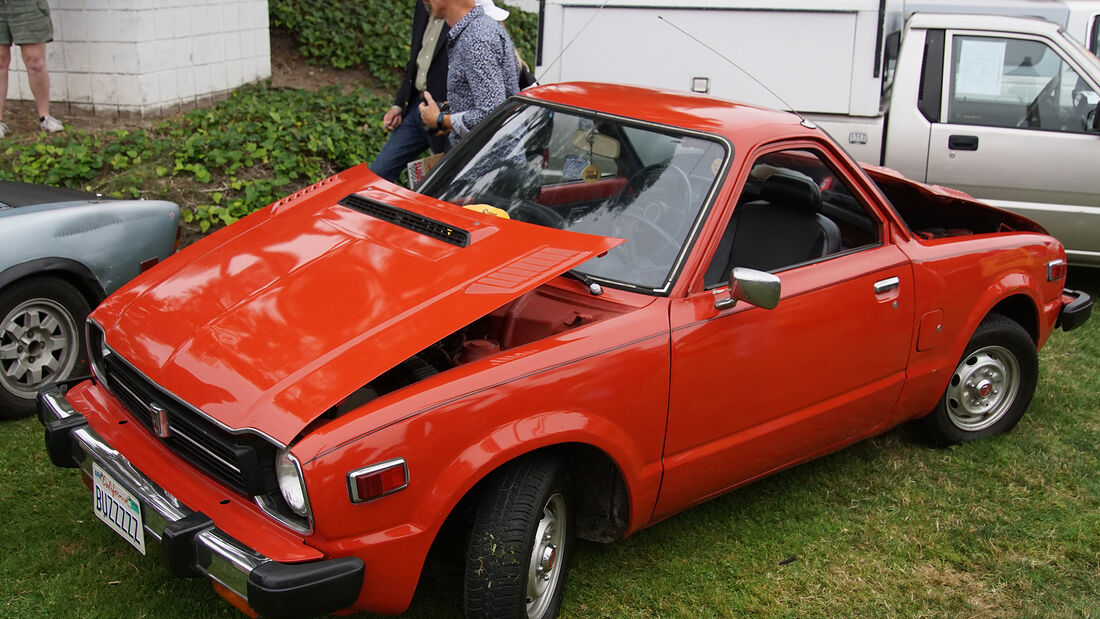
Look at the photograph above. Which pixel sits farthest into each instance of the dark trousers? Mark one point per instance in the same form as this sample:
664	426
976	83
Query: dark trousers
406	143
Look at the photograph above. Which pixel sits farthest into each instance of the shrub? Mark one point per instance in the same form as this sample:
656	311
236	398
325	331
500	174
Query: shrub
373	35
232	159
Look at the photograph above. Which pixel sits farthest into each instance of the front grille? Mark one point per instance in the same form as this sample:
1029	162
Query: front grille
408	220
232	459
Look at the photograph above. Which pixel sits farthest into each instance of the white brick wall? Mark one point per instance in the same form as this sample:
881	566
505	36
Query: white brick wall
149	56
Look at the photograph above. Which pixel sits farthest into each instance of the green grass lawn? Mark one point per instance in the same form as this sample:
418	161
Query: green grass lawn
1004	527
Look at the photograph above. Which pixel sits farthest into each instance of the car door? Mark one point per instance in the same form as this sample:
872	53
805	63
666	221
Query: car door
754	390
1016	132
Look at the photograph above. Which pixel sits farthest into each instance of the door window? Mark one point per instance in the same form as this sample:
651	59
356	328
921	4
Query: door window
1004	82
793	210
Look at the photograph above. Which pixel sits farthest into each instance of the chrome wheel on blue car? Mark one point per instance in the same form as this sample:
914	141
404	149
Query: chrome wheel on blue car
41	340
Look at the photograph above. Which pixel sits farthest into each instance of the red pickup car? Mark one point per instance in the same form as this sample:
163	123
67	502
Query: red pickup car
604	306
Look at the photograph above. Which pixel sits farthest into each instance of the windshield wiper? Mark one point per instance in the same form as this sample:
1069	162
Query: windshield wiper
594	288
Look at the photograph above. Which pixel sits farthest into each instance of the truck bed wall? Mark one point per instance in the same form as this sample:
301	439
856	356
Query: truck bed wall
816	57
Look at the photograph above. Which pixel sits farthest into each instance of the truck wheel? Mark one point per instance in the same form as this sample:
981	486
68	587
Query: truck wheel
41	340
990	388
521	542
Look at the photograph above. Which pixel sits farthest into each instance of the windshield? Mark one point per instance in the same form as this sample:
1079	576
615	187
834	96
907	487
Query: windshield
589	174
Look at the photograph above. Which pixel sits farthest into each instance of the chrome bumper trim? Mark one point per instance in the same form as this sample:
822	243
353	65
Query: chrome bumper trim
219	556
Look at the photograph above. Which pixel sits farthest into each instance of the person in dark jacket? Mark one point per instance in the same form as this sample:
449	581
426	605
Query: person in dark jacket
426	71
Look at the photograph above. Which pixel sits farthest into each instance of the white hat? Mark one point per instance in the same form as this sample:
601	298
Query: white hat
492	10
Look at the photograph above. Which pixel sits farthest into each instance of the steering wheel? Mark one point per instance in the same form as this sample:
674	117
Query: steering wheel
635	183
534	213
1032	119
678	189
661	233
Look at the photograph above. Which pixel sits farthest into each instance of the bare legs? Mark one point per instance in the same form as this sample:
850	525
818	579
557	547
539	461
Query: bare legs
5	60
34	56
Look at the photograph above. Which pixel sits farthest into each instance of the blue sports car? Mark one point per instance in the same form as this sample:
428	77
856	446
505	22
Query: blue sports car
61	252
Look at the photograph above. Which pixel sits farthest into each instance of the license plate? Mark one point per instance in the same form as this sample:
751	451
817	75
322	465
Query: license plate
114	505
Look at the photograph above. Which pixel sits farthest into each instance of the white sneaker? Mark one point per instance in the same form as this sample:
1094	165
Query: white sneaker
3	129
51	124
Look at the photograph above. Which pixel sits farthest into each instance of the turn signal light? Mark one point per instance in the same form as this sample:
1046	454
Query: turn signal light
378	480
1056	270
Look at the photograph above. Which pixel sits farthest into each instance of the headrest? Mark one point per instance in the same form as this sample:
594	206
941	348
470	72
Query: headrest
793	191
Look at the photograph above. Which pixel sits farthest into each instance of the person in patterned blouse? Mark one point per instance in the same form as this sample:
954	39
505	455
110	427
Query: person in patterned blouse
483	70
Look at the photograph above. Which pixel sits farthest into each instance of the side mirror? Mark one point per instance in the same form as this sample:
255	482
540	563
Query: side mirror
753	287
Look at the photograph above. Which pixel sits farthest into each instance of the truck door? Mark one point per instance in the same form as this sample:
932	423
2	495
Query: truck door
1016	130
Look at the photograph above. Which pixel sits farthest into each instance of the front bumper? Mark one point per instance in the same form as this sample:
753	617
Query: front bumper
1076	309
190	544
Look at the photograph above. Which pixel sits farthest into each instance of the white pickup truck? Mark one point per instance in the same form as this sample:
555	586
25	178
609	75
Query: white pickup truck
998	98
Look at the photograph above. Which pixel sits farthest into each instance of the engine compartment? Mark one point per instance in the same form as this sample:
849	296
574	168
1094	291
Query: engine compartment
544	312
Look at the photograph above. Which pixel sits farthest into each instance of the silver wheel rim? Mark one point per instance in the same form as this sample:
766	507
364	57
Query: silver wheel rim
983	388
37	346
545	567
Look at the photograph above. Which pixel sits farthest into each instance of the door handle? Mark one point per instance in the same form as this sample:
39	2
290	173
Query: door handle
886	285
962	142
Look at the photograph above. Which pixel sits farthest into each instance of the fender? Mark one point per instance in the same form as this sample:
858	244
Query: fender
409	521
85	280
929	371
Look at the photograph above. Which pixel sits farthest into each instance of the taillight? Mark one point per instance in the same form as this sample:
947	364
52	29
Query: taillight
378	480
1056	270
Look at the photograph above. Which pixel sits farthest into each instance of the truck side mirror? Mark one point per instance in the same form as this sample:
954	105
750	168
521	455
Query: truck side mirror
754	287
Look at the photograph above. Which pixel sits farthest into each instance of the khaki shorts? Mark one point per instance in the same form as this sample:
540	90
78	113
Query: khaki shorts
25	21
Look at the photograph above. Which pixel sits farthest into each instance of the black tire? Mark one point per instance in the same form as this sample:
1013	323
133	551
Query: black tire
526	511
990	388
41	340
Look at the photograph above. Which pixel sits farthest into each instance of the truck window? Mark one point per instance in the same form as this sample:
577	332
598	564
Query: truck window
1005	82
793	210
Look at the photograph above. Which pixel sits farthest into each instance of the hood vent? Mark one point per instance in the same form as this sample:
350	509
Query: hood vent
408	220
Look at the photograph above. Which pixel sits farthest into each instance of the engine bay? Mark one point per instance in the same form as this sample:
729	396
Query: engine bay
542	313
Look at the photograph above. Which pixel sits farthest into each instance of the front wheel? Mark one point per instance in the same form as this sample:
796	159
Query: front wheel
521	542
41	340
990	388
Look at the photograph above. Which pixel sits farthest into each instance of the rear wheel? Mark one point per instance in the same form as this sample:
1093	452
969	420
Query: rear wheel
990	388
41	340
521	542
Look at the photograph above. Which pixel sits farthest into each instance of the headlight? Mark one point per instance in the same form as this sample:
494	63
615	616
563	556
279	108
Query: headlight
291	484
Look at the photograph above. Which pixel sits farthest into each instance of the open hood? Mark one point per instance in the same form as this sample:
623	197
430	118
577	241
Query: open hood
314	298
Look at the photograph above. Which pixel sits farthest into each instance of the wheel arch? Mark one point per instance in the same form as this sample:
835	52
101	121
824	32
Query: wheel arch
602	492
1013	294
66	269
1021	309
601	496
